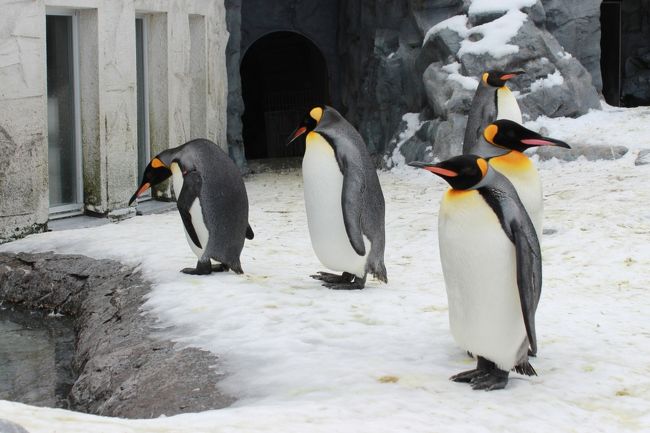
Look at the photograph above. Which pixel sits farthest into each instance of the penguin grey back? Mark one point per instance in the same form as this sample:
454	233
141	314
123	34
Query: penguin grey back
223	198
362	198
482	112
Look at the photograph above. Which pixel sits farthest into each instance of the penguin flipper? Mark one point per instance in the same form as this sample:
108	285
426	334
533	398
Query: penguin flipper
249	232
190	191
529	276
352	203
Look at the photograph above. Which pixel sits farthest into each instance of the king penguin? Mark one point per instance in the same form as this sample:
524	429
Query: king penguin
492	266
211	199
503	143
493	100
343	199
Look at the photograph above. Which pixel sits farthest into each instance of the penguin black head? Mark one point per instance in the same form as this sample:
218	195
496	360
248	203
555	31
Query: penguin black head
498	78
155	173
308	124
511	135
461	172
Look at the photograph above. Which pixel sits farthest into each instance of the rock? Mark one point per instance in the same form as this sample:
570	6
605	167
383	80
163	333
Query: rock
10	427
125	370
643	158
591	153
448	139
576	25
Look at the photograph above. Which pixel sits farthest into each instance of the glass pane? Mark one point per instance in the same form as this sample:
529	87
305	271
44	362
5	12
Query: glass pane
60	111
143	145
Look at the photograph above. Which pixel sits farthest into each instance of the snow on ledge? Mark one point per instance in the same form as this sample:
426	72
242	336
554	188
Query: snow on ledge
496	34
485	6
453	69
554	79
413	123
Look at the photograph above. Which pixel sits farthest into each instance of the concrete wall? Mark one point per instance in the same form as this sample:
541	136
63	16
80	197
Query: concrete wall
186	56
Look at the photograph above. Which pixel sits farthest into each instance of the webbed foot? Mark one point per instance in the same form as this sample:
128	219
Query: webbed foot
486	376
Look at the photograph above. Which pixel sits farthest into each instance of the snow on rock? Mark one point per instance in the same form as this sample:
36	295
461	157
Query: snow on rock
483	6
302	358
554	79
456	23
410	124
453	69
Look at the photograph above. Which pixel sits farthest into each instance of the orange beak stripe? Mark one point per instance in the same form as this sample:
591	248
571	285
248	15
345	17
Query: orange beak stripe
537	142
506	77
142	189
299	132
441	171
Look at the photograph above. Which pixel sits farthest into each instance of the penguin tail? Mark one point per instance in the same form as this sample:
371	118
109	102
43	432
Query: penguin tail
249	232
379	272
525	368
235	266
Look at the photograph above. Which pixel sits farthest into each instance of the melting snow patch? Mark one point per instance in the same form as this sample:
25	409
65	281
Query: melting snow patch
413	123
457	24
453	70
483	6
554	79
496	35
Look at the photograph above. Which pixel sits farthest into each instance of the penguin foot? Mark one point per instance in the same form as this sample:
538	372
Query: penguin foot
220	268
327	277
486	376
356	284
202	268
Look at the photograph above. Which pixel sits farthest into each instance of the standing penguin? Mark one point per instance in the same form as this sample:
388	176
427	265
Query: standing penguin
211	198
492	101
343	198
503	143
492	265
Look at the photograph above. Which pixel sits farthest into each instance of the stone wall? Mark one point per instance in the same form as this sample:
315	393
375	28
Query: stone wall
179	78
635	53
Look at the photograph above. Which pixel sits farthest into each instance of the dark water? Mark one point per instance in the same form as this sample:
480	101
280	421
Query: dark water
35	357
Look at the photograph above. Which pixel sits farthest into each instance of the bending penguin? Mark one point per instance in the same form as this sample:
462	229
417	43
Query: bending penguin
211	198
343	198
492	265
503	143
493	100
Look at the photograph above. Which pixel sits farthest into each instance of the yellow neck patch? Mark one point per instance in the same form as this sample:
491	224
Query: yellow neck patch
316	113
512	160
483	165
485	77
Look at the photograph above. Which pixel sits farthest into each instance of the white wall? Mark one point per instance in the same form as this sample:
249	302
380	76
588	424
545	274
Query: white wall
108	96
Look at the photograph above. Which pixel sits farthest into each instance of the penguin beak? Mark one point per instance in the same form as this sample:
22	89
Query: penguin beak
433	168
297	133
145	186
509	75
544	141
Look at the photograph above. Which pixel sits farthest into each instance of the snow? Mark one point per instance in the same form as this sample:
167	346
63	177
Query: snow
453	69
302	358
483	6
554	79
413	123
494	35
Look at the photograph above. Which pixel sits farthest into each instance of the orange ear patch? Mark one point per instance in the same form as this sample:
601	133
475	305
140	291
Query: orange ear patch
156	163
485	77
489	133
483	165
316	113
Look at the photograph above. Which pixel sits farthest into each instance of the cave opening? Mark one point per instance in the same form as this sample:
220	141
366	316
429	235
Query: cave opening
625	52
283	74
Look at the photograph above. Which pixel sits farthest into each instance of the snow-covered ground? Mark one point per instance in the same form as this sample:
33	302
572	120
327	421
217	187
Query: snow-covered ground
302	358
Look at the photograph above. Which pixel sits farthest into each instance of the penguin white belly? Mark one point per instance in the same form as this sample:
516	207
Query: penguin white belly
523	175
480	271
507	106
195	212
323	185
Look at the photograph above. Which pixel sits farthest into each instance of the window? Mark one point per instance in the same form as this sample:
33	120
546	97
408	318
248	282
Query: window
64	143
144	150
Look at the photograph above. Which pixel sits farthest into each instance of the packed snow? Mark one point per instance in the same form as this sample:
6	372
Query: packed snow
490	38
453	69
554	79
302	358
483	6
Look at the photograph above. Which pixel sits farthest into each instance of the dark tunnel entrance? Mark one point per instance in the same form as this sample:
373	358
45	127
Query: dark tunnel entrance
625	52
283	75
